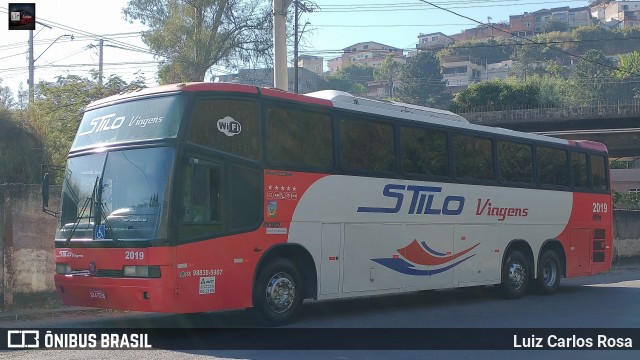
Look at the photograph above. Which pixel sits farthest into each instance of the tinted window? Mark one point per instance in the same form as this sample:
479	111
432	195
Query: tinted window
599	172
473	157
299	138
552	166
217	199
227	125
202	199
516	162
579	170
367	145
424	151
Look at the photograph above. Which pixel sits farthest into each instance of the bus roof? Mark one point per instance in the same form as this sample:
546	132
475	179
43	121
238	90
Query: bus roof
204	86
343	100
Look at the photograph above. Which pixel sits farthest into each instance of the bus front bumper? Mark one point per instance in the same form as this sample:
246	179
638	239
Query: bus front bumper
135	294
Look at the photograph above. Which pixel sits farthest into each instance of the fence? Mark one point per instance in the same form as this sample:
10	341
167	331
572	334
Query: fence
603	109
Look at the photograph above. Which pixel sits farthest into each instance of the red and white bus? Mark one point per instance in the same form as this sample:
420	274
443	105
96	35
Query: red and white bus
211	196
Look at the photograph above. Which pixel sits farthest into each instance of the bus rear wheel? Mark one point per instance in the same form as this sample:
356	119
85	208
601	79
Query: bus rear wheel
515	275
548	280
277	294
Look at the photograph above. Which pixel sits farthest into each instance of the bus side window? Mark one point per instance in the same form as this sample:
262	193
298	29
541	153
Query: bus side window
201	194
599	181
579	169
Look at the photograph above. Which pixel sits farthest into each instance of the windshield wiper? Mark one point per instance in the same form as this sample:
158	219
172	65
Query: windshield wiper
88	202
94	202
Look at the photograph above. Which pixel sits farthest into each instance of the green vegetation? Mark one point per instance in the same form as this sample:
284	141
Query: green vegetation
422	82
492	50
192	36
352	79
496	95
626	201
21	152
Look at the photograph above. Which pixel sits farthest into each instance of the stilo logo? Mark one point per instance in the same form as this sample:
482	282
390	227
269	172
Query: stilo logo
69	254
228	126
420	259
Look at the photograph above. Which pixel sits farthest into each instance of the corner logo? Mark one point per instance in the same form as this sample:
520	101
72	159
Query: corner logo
421	260
228	126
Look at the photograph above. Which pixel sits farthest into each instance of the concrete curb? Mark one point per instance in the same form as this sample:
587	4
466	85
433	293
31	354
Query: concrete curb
21	313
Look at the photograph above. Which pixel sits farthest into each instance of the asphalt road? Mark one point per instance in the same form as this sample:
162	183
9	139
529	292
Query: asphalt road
610	300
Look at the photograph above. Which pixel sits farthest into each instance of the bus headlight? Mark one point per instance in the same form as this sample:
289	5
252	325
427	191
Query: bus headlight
63	268
141	271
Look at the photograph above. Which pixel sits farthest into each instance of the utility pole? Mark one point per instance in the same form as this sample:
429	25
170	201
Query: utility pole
489	22
295	46
31	62
299	9
100	64
280	44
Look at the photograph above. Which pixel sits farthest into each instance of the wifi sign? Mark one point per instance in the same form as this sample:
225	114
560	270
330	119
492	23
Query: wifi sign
228	126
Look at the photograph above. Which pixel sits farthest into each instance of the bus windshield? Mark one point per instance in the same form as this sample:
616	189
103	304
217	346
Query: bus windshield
145	119
118	195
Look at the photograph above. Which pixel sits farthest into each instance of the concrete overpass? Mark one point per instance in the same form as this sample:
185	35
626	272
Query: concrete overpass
615	124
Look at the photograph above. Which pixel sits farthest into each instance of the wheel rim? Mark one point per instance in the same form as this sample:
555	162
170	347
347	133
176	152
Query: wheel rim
280	292
549	273
517	275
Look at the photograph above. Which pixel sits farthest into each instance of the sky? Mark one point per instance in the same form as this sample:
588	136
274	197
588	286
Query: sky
336	25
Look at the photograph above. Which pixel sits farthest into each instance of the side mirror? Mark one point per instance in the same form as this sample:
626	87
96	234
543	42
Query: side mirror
45	196
45	192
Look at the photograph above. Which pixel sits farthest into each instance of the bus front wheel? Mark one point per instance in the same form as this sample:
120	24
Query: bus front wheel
278	291
515	275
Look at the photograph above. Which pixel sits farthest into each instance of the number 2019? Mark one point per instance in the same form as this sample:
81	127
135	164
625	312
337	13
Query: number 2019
600	207
133	255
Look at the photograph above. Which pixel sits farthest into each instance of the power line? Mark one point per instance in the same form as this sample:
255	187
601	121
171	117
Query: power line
388	25
416	7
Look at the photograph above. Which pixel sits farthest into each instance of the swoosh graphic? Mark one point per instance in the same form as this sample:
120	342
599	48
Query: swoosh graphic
416	254
424	244
406	268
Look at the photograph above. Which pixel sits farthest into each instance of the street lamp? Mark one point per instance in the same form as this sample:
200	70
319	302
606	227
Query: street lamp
32	61
54	41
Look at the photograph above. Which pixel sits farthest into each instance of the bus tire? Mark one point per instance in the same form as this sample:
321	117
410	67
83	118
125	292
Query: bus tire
515	275
278	292
548	280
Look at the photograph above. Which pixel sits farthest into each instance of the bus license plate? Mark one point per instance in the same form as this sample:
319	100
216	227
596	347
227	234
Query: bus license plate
97	294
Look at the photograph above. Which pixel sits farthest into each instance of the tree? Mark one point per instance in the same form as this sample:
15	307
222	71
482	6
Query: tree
554	24
387	73
496	95
358	73
20	150
351	78
55	114
629	71
491	50
422	82
190	36
6	97
591	79
535	58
